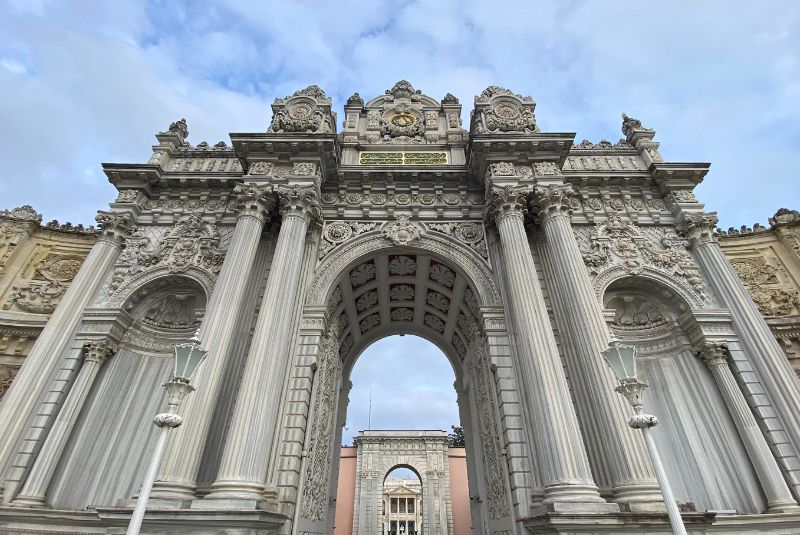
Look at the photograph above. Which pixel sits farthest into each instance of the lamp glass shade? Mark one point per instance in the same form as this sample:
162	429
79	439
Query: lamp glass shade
188	357
622	359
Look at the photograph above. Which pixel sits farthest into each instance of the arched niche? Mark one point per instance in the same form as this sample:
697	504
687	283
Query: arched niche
704	457
108	449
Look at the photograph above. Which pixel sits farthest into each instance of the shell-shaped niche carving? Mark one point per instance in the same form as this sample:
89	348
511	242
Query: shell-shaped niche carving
402	115
165	312
305	111
500	111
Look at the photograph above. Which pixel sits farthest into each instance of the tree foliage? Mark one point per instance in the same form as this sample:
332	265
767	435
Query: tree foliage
456	438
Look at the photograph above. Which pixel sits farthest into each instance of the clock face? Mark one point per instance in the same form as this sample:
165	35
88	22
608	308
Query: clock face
402	119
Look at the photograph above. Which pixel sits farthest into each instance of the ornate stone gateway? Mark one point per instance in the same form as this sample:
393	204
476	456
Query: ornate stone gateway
517	252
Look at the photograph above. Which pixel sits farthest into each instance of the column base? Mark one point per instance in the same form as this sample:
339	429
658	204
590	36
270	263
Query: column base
783	507
639	498
239	495
34	502
165	492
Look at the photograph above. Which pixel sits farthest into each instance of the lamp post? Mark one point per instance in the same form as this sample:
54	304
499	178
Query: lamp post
188	357
622	359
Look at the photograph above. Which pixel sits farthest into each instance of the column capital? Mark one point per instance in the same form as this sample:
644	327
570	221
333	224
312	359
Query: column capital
712	353
507	201
299	201
114	227
551	201
98	350
256	200
697	227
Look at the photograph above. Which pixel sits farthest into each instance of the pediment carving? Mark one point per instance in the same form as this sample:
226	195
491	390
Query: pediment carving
305	111
501	111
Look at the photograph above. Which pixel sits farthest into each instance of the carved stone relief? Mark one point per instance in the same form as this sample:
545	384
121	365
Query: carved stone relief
497	501
51	278
500	111
314	503
765	288
307	110
191	243
620	243
7	374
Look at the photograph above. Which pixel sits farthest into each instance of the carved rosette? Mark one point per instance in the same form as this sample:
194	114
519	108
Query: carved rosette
297	201
115	226
306	111
98	351
698	227
254	200
507	201
551	201
402	232
713	353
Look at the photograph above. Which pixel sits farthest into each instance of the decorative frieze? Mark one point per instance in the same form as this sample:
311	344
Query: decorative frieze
761	281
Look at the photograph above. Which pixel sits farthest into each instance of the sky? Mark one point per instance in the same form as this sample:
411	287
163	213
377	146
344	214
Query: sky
85	82
410	382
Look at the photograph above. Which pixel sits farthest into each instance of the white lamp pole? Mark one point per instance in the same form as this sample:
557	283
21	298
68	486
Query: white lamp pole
188	357
622	359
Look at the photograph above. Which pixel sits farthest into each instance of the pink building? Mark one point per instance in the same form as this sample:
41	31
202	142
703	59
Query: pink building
346	504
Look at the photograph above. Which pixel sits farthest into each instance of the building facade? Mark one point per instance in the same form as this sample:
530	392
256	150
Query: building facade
518	252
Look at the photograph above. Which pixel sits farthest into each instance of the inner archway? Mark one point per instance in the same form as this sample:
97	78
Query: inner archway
402	502
404	291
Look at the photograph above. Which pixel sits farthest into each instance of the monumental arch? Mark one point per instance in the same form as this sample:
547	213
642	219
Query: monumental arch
518	252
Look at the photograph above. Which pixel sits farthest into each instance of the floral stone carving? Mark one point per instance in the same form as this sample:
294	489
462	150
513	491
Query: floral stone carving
50	281
621	243
500	111
191	243
762	283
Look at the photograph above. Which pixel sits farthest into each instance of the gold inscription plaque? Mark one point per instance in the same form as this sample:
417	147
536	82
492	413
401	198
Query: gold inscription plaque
402	158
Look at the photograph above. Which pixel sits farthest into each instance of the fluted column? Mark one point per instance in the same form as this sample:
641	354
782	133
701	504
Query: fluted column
763	351
779	497
243	468
615	449
22	397
178	475
558	444
35	489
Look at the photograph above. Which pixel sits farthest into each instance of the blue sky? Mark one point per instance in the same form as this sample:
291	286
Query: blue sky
85	82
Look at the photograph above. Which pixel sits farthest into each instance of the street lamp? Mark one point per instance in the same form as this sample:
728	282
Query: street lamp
622	359
188	357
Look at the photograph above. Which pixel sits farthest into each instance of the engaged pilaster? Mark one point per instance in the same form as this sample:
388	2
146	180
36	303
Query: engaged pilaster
243	469
33	494
177	479
559	448
616	452
779	497
18	403
778	379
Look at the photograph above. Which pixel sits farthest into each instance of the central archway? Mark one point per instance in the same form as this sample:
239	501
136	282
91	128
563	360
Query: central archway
434	290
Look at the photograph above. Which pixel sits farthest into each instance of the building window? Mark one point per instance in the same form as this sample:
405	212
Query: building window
393	528
402	505
411	505
411	528
394	506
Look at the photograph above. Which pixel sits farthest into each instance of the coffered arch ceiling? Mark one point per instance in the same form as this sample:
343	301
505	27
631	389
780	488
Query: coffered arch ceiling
409	292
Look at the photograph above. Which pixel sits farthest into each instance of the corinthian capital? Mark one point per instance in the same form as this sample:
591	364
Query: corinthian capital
299	201
698	228
712	353
505	201
254	200
114	226
98	351
551	201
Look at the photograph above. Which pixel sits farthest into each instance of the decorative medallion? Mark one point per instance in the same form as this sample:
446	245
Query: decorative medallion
402	314
402	231
338	232
469	232
403	265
